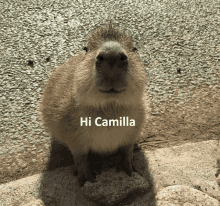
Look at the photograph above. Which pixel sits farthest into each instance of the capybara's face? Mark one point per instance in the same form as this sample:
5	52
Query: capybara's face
111	68
111	71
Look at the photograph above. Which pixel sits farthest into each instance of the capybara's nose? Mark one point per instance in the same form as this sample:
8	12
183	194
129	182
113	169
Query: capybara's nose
111	58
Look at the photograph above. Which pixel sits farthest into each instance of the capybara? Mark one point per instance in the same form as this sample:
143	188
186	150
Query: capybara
95	101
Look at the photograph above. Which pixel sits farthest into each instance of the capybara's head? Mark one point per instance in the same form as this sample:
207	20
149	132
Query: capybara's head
111	71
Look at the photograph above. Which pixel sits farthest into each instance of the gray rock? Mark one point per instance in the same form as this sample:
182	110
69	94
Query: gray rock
183	195
112	187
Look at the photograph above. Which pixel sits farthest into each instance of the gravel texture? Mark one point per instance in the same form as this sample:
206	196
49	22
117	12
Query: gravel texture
179	42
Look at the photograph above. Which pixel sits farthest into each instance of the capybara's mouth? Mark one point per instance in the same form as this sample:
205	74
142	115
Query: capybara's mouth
112	91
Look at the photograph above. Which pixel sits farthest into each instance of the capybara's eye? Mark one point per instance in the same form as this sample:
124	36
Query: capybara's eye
85	48
134	49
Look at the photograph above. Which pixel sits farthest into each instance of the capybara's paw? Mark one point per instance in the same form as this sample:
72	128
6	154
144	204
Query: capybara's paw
82	179
86	175
75	171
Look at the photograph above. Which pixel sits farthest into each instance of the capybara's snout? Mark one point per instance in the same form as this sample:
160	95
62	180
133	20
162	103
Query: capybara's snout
111	67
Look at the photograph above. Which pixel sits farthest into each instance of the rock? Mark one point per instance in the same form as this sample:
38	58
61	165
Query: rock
112	187
183	195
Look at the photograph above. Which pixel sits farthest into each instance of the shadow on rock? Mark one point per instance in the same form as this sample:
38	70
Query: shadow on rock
60	186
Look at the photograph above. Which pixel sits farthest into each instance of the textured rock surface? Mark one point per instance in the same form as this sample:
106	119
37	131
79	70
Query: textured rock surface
113	187
194	165
183	195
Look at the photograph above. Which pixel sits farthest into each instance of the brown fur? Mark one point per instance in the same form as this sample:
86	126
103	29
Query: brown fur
71	92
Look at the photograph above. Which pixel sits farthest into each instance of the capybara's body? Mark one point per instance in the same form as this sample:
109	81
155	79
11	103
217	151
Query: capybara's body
106	82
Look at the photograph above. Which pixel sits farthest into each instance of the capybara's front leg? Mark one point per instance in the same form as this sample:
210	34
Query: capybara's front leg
126	163
84	171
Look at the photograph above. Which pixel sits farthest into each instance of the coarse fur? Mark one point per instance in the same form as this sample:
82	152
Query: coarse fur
76	89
